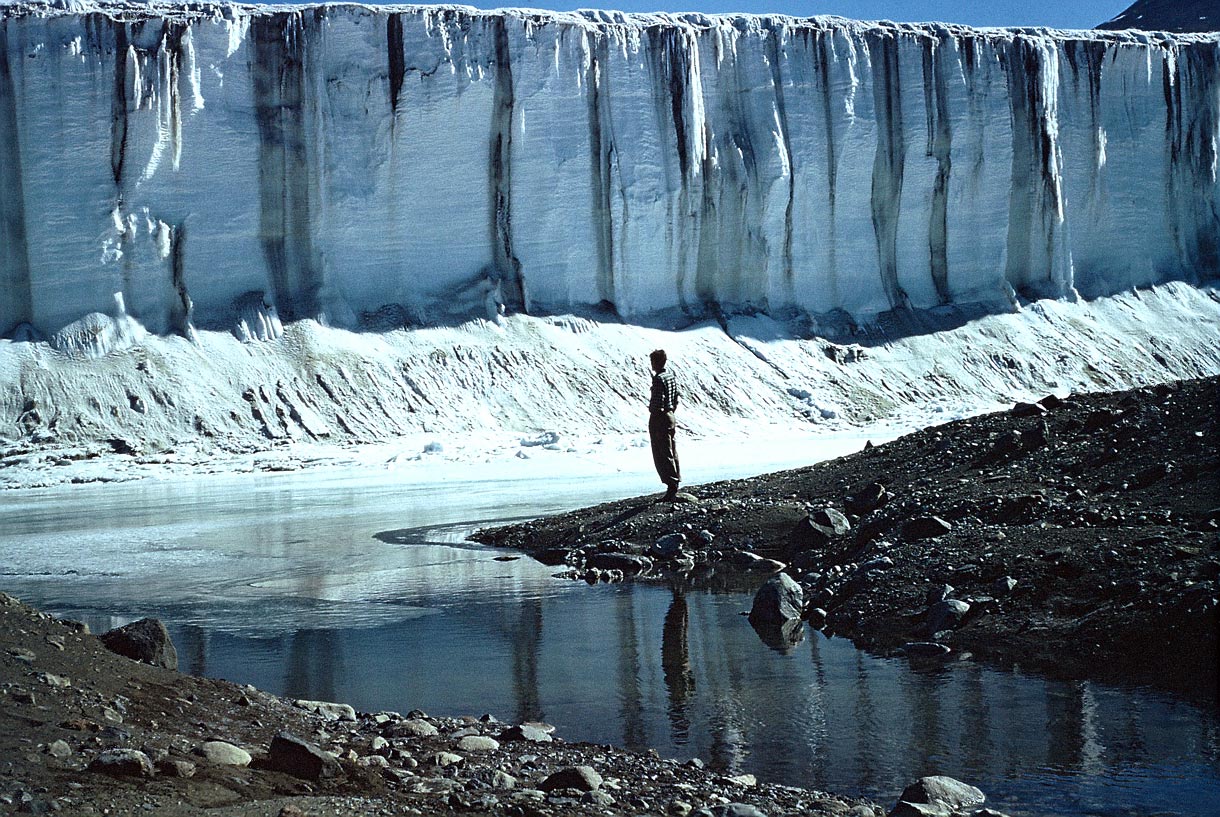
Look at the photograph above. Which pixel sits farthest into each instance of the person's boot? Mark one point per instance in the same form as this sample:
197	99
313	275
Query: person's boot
671	494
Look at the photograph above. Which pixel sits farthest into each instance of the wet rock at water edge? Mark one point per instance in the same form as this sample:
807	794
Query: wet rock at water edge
145	640
782	637
780	599
299	758
629	563
580	778
937	796
122	763
945	615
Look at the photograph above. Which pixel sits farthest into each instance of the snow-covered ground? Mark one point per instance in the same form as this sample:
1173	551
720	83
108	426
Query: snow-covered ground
546	397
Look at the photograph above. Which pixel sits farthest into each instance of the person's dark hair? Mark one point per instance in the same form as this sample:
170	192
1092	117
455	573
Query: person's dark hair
658	359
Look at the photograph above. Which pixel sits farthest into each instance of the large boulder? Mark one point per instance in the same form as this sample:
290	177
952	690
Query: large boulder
780	599
936	796
630	563
122	763
818	528
299	758
925	527
945	615
580	778
145	640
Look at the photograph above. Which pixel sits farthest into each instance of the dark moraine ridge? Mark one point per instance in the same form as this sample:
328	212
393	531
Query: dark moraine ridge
1080	534
1168	15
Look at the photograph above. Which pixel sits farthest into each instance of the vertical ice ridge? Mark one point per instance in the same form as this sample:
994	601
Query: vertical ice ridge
1192	96
15	295
940	147
1036	266
889	162
507	266
776	35
823	45
648	162
285	166
601	155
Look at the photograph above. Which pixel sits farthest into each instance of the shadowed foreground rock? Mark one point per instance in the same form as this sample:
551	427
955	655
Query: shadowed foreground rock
145	640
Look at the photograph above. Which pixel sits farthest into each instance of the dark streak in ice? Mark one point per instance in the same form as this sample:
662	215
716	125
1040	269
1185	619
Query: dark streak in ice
181	308
285	172
15	294
506	263
774	34
601	151
889	163
396	57
940	146
1034	216
118	105
1192	119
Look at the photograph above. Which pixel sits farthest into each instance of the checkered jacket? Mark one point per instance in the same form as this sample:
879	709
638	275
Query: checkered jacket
664	392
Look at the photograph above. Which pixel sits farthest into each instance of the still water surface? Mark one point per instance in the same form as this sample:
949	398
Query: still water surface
336	586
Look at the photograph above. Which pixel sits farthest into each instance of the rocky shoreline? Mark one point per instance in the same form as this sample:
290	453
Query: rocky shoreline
86	731
1075	537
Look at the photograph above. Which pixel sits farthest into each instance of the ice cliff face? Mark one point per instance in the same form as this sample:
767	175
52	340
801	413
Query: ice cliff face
235	166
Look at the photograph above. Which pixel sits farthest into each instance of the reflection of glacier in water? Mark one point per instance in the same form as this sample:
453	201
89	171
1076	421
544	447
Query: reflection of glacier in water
284	583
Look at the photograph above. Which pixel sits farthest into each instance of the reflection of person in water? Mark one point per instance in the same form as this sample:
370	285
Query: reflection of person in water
675	663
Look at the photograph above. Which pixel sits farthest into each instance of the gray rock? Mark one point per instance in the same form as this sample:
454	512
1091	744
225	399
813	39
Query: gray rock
868	499
581	778
222	753
925	527
478	743
413	728
526	732
444	759
780	599
669	546
730	810
299	758
176	768
925	649
783	637
1003	585
122	763
629	563
597	798
145	640
830	521
59	749
328	710
503	781
936	796
945	615
939	593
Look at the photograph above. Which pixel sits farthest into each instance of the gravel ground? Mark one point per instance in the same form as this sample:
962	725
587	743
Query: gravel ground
1076	537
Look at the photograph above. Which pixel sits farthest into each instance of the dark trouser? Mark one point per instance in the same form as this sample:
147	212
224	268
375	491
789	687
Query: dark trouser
661	430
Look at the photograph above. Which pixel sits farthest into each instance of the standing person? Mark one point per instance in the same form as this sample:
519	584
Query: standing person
662	425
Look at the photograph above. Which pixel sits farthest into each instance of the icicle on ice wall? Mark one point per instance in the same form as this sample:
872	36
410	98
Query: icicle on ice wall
346	163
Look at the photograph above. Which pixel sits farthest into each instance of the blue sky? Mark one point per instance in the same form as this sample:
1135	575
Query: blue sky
1054	13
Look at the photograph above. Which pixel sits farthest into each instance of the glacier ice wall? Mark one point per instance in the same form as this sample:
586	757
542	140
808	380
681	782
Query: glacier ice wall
346	162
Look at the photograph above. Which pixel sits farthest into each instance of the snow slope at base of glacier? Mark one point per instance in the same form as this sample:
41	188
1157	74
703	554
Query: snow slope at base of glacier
563	396
346	163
